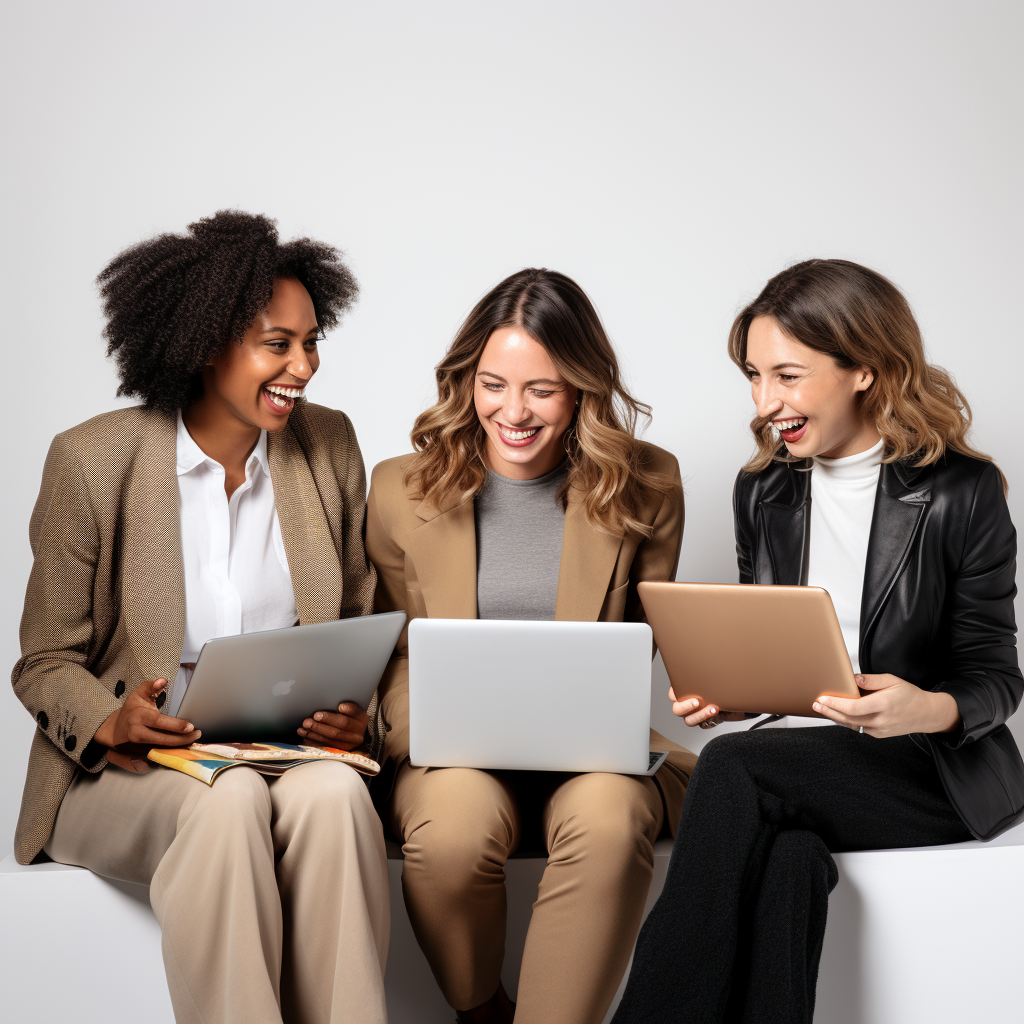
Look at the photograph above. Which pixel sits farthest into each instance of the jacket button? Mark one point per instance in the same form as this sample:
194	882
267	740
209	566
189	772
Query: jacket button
119	689
70	743
161	698
44	721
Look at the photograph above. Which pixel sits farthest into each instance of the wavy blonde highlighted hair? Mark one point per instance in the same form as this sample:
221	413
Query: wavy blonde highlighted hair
860	318
607	464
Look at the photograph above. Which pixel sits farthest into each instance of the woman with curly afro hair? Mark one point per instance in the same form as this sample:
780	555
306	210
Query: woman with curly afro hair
224	503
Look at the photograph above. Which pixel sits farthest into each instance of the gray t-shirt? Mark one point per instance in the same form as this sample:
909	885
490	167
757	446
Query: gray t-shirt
519	526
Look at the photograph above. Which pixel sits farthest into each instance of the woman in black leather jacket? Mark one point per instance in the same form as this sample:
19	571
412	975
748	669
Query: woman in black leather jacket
863	482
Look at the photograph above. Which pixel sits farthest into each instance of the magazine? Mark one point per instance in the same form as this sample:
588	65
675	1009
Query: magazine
205	761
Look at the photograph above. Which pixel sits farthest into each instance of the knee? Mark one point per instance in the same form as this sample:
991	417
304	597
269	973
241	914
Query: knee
610	827
236	804
725	759
455	852
348	789
335	787
801	855
324	797
723	751
457	825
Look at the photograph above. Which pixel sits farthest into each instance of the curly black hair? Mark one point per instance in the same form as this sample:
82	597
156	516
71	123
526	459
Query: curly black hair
174	301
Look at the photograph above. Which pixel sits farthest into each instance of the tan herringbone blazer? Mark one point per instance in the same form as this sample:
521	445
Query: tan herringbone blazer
105	606
425	559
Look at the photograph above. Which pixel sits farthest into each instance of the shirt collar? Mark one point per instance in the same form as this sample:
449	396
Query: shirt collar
190	455
260	453
859	468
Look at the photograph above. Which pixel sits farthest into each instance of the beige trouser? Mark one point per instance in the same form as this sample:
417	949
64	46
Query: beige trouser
459	825
272	893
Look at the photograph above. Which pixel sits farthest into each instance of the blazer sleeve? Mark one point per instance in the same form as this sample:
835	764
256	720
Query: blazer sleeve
358	576
657	556
984	676
743	524
51	679
388	559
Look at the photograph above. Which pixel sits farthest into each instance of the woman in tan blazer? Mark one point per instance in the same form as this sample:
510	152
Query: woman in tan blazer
272	895
528	497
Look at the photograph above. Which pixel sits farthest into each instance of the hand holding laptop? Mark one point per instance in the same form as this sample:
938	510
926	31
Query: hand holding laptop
261	686
344	730
750	648
137	724
705	716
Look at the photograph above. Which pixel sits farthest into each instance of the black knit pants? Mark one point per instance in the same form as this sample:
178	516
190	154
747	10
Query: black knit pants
736	934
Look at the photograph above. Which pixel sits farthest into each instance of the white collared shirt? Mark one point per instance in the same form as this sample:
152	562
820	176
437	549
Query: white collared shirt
237	578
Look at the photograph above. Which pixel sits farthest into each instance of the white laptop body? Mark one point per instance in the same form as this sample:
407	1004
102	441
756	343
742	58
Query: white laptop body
260	686
544	696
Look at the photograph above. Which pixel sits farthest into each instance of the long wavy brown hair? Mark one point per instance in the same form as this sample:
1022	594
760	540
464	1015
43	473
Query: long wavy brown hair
860	318
607	464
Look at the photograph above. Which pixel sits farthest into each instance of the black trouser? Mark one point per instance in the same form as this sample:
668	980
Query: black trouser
736	934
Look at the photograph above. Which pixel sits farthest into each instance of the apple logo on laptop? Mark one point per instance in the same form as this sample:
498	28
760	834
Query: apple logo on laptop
283	688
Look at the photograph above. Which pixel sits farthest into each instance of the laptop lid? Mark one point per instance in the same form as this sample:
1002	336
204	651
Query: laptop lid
548	696
749	647
260	686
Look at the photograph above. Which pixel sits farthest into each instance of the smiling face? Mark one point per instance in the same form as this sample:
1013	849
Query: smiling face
812	402
524	404
257	380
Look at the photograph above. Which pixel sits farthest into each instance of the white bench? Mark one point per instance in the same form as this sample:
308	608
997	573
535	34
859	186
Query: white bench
931	935
67	933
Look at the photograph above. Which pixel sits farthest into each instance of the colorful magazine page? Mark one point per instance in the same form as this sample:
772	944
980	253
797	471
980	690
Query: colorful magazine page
205	761
204	767
263	753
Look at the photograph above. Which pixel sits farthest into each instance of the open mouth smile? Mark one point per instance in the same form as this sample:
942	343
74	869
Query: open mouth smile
517	438
790	430
281	398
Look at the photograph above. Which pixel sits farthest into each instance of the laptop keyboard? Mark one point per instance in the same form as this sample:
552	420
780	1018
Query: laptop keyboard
653	758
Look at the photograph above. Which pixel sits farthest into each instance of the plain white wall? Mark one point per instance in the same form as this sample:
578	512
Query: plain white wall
669	156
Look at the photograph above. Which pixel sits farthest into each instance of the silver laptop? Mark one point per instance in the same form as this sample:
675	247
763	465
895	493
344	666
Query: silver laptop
546	696
260	686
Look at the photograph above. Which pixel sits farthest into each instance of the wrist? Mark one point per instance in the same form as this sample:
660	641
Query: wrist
945	713
105	735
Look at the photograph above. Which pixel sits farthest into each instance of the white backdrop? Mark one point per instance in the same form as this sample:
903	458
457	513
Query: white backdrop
670	156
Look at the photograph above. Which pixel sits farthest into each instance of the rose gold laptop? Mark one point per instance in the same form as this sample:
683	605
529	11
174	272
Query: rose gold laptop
748	647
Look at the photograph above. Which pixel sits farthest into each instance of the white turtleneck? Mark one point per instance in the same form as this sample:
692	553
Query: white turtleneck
842	503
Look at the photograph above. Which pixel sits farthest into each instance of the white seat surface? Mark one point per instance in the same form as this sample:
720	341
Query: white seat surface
927	935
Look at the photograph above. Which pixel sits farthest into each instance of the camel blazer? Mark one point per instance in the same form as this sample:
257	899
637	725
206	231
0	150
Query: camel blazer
105	606
425	558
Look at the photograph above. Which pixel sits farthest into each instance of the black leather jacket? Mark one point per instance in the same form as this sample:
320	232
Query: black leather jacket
937	608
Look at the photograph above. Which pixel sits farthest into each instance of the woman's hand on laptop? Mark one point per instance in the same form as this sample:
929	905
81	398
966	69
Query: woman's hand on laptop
891	707
345	729
691	712
138	724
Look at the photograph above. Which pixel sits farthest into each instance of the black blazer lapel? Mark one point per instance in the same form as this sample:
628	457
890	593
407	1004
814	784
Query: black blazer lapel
900	502
781	553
